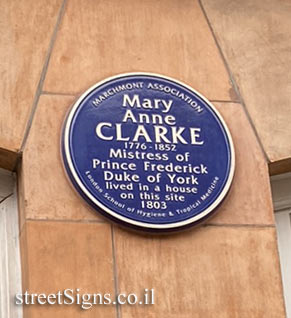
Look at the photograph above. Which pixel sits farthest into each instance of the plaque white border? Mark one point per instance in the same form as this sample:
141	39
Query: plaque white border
118	216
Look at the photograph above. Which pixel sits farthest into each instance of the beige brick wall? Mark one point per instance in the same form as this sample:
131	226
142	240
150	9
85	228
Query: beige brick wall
51	52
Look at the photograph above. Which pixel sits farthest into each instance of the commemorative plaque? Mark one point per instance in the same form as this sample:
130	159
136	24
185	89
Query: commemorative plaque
148	151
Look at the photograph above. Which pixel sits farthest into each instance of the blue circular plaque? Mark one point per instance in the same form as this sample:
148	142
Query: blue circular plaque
148	151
